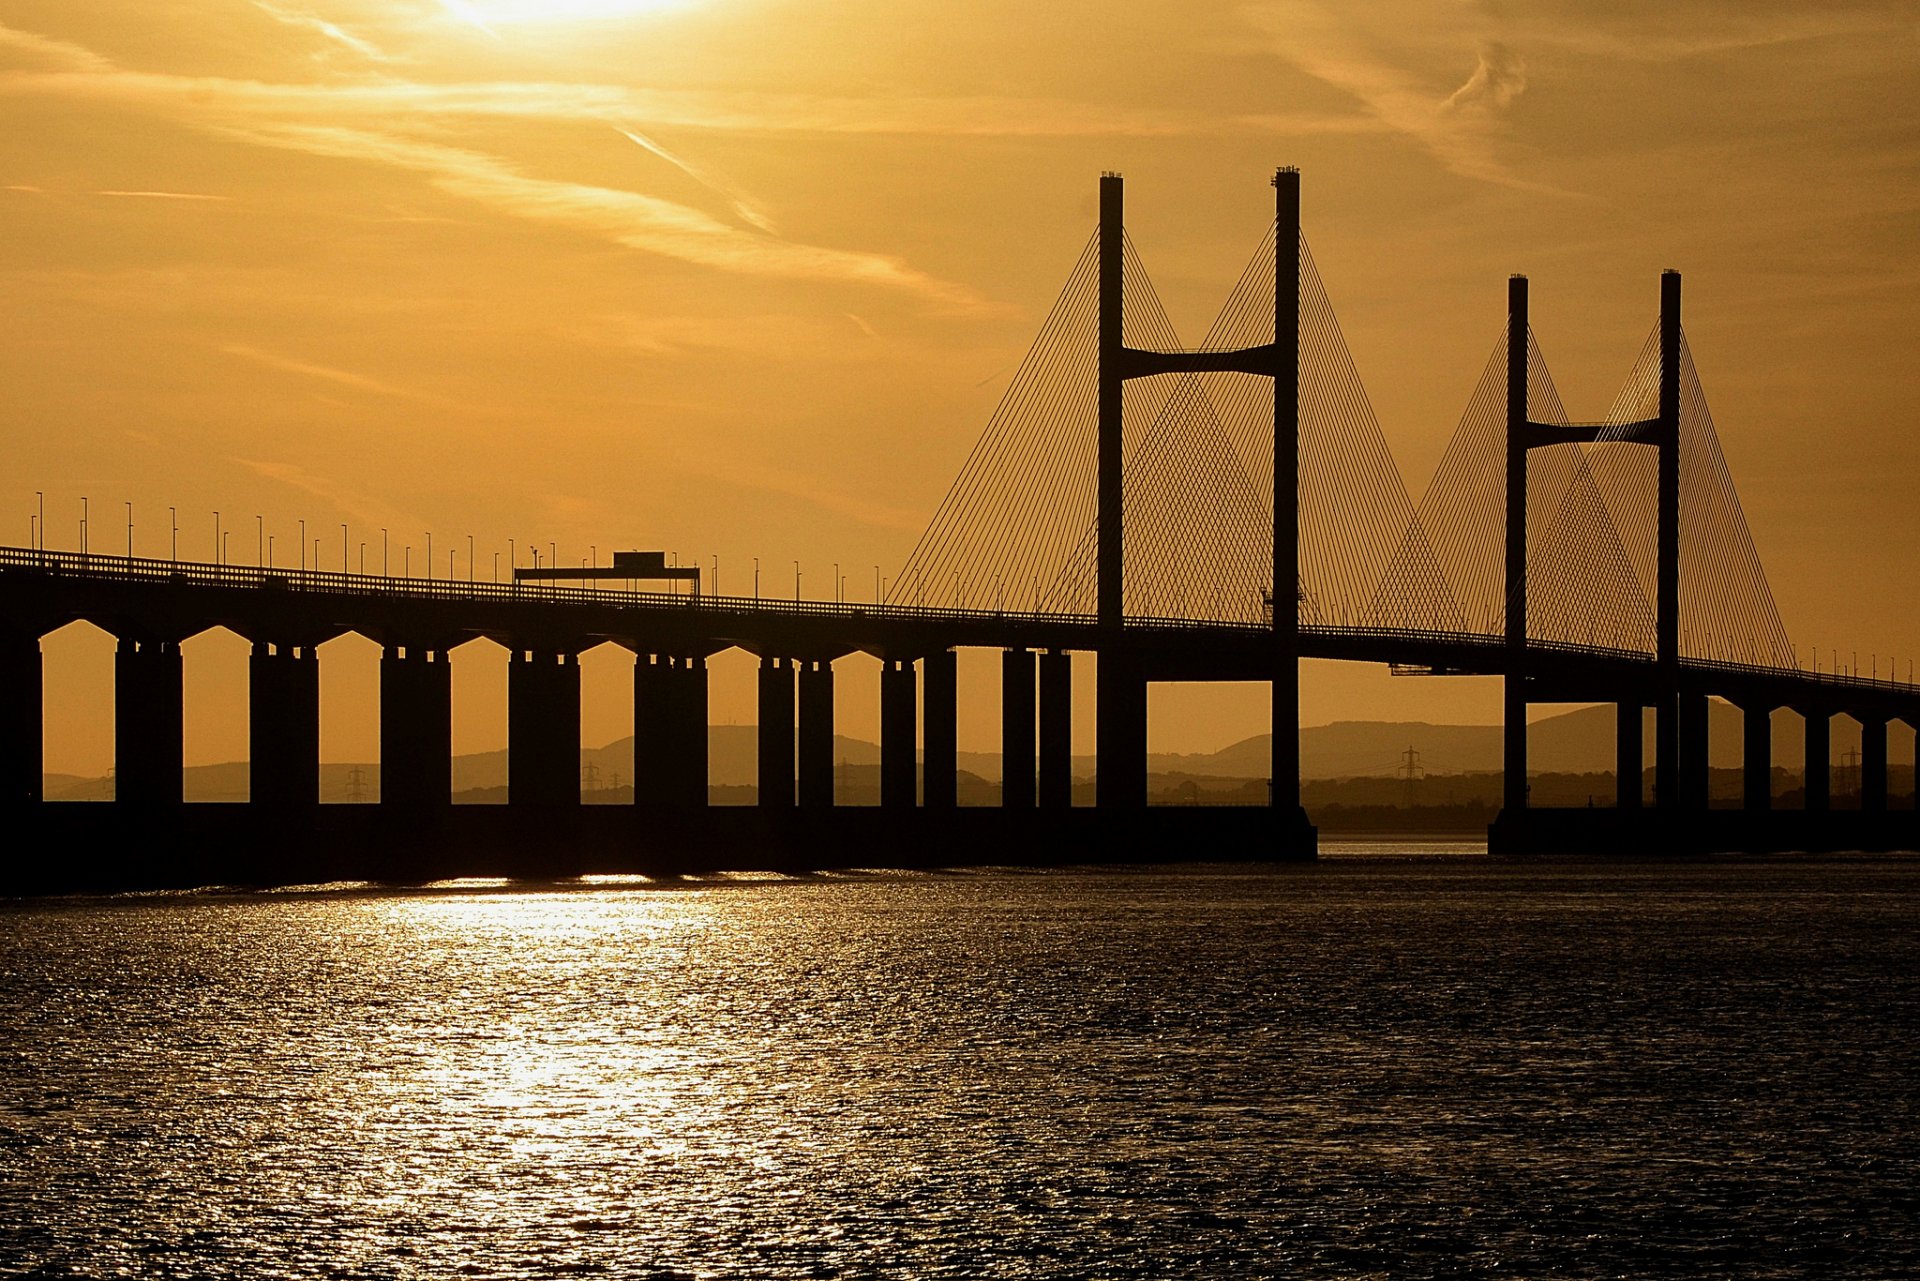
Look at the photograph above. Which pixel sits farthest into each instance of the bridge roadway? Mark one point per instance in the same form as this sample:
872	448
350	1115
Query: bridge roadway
151	606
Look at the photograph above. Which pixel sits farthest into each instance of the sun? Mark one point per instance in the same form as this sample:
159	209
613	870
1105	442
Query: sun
488	14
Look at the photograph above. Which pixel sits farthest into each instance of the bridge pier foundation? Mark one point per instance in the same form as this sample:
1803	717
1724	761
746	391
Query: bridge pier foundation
147	722
899	724
1873	764
670	731
22	764
1016	729
1818	774
1629	762
940	704
543	727
1757	757
283	732
1120	779
775	739
1056	729
416	727
816	734
1694	771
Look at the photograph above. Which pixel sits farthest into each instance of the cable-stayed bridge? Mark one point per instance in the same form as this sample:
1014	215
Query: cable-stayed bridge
1133	500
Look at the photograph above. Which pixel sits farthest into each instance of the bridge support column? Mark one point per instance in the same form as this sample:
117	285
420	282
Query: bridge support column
899	723
147	716
1120	778
1819	766
543	727
1694	772
1016	729
1757	756
670	731
776	734
1629	750
416	727
816	734
283	733
1513	756
940	699
1873	763
1056	729
22	764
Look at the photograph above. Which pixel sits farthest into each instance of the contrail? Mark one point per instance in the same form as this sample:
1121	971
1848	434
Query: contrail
745	211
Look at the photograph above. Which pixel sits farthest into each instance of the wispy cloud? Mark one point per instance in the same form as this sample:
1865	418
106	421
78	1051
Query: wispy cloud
1462	128
356	507
331	30
625	217
163	195
291	117
325	373
742	207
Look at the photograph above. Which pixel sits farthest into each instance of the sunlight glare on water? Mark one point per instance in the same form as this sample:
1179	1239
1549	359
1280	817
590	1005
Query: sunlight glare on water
1396	1068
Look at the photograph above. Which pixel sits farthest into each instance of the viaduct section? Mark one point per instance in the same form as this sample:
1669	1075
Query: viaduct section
152	606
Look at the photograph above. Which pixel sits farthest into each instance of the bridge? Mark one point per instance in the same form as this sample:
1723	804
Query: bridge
1133	500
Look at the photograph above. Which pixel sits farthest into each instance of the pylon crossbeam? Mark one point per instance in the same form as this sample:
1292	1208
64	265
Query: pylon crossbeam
1650	431
1136	362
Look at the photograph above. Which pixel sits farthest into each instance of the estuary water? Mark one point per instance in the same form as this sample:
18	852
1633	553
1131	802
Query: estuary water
1375	1067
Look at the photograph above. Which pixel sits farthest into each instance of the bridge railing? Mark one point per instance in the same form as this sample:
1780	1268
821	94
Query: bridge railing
141	570
161	573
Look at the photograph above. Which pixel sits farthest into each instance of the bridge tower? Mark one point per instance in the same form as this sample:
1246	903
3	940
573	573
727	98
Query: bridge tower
1680	729
1122	733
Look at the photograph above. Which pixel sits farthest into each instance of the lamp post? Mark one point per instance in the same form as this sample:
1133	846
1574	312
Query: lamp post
796	582
173	515
216	537
756	578
429	553
129	531
363	556
83	525
303	546
259	541
40	514
385	571
270	538
837	580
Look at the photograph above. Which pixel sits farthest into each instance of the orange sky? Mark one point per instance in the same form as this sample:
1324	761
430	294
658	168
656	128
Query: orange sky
744	279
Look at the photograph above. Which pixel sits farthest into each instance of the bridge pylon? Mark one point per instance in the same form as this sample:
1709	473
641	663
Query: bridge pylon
1680	745
1121	747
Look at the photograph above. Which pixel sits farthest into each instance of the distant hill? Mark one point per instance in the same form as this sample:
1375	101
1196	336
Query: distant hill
1575	742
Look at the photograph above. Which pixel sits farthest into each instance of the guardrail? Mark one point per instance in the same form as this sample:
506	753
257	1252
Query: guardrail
160	573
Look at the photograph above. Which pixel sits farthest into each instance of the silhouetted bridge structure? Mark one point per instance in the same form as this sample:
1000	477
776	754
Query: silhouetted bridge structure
1598	562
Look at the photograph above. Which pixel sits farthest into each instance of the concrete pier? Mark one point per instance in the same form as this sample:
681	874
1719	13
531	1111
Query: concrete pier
775	738
1056	729
543	727
416	727
899	726
283	729
1016	728
148	709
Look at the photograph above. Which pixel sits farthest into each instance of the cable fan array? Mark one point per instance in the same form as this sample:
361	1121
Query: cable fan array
1018	530
1593	524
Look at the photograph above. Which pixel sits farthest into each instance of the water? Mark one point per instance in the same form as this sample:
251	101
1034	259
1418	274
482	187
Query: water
1364	1068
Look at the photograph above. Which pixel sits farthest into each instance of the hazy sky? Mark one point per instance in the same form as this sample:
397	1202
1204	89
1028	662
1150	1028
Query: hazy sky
743	278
